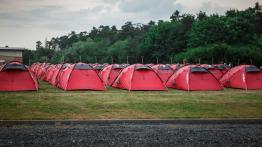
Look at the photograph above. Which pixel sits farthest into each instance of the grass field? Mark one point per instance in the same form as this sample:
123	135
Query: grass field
52	103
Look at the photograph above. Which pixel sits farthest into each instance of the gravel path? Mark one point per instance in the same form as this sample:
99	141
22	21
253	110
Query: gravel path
132	134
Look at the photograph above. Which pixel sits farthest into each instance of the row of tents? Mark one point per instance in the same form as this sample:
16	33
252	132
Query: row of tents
81	76
15	76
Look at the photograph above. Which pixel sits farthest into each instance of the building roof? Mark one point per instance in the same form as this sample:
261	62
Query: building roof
12	48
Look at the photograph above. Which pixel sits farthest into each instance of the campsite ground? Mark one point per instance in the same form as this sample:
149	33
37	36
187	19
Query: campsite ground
52	103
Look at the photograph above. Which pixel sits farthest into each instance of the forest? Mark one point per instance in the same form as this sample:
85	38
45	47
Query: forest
234	37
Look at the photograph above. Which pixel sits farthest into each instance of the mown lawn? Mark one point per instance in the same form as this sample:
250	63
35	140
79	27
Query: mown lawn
52	103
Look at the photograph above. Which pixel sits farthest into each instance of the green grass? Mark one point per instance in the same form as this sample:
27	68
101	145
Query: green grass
53	103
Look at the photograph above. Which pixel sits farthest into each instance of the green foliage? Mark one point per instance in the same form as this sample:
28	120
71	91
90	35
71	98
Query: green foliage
85	51
210	30
167	38
234	37
29	57
224	53
119	50
236	27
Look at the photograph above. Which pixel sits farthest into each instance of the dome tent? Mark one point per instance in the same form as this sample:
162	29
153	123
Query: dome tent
218	73
57	72
80	76
164	71
139	77
243	77
110	73
15	76
193	77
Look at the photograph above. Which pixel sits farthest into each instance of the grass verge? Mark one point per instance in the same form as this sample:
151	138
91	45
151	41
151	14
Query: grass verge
53	103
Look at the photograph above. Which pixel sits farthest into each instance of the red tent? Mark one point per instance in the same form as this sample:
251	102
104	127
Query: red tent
37	69
49	73
15	76
214	70
99	67
139	77
110	73
164	71
193	77
53	79
57	73
33	66
43	71
175	67
244	77
150	64
223	68
80	76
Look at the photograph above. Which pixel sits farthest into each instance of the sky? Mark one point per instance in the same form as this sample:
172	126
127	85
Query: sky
23	22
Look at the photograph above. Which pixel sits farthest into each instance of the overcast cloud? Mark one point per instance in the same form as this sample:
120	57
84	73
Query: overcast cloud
23	22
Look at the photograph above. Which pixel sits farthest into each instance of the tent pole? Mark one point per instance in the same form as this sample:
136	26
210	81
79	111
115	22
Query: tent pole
171	60
142	58
29	61
112	60
156	60
126	59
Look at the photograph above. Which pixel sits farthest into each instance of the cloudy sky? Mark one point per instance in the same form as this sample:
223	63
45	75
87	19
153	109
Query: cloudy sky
23	22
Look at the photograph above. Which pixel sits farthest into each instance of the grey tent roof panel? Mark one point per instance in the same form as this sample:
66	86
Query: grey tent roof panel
99	67
83	66
119	66
197	69
252	69
14	66
164	67
142	67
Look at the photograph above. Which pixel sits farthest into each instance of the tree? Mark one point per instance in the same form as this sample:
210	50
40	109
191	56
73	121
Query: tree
29	57
210	30
119	50
201	15
257	6
39	45
235	35
127	30
175	16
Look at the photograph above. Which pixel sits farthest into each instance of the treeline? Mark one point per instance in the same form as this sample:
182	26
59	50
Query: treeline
235	37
